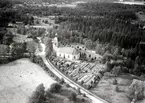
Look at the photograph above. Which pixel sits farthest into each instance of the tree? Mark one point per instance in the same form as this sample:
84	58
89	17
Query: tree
61	81
98	48
46	21
138	60
55	88
116	70
117	51
48	43
48	94
38	95
31	20
18	49
108	66
72	96
136	90
88	44
4	49
114	82
7	38
31	47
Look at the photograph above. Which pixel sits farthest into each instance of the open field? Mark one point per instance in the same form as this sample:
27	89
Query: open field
19	79
106	90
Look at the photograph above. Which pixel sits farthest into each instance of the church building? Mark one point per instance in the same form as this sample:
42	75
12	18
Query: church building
69	53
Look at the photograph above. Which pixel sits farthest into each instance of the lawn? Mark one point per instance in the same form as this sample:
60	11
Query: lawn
19	79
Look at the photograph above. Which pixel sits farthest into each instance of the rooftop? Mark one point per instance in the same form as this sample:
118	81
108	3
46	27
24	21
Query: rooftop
68	50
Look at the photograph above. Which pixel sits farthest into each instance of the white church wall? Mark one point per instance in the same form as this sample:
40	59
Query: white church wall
68	56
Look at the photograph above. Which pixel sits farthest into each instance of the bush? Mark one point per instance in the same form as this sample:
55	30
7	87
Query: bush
55	88
38	95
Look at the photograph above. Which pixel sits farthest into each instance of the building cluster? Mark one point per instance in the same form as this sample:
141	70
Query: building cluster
74	52
69	60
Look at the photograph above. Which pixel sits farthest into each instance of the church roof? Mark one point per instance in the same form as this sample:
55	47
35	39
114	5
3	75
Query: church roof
68	50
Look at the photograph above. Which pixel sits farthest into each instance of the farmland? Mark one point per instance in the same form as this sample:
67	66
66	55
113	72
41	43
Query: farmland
19	79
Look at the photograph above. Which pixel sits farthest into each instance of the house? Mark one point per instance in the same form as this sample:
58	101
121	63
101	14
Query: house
69	53
90	54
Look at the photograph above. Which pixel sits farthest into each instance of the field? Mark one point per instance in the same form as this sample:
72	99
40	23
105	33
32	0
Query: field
19	79
106	90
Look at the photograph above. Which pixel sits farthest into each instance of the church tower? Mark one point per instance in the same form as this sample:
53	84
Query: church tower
55	43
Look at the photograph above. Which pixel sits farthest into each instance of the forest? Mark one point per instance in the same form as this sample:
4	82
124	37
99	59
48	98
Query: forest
107	22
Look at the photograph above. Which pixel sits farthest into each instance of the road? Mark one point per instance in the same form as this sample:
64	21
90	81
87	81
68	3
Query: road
93	97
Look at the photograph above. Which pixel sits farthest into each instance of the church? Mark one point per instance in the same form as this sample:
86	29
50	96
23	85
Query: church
69	53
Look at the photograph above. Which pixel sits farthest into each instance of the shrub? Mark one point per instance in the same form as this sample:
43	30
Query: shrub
55	88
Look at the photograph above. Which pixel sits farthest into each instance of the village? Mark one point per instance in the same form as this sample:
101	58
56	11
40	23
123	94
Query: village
69	50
